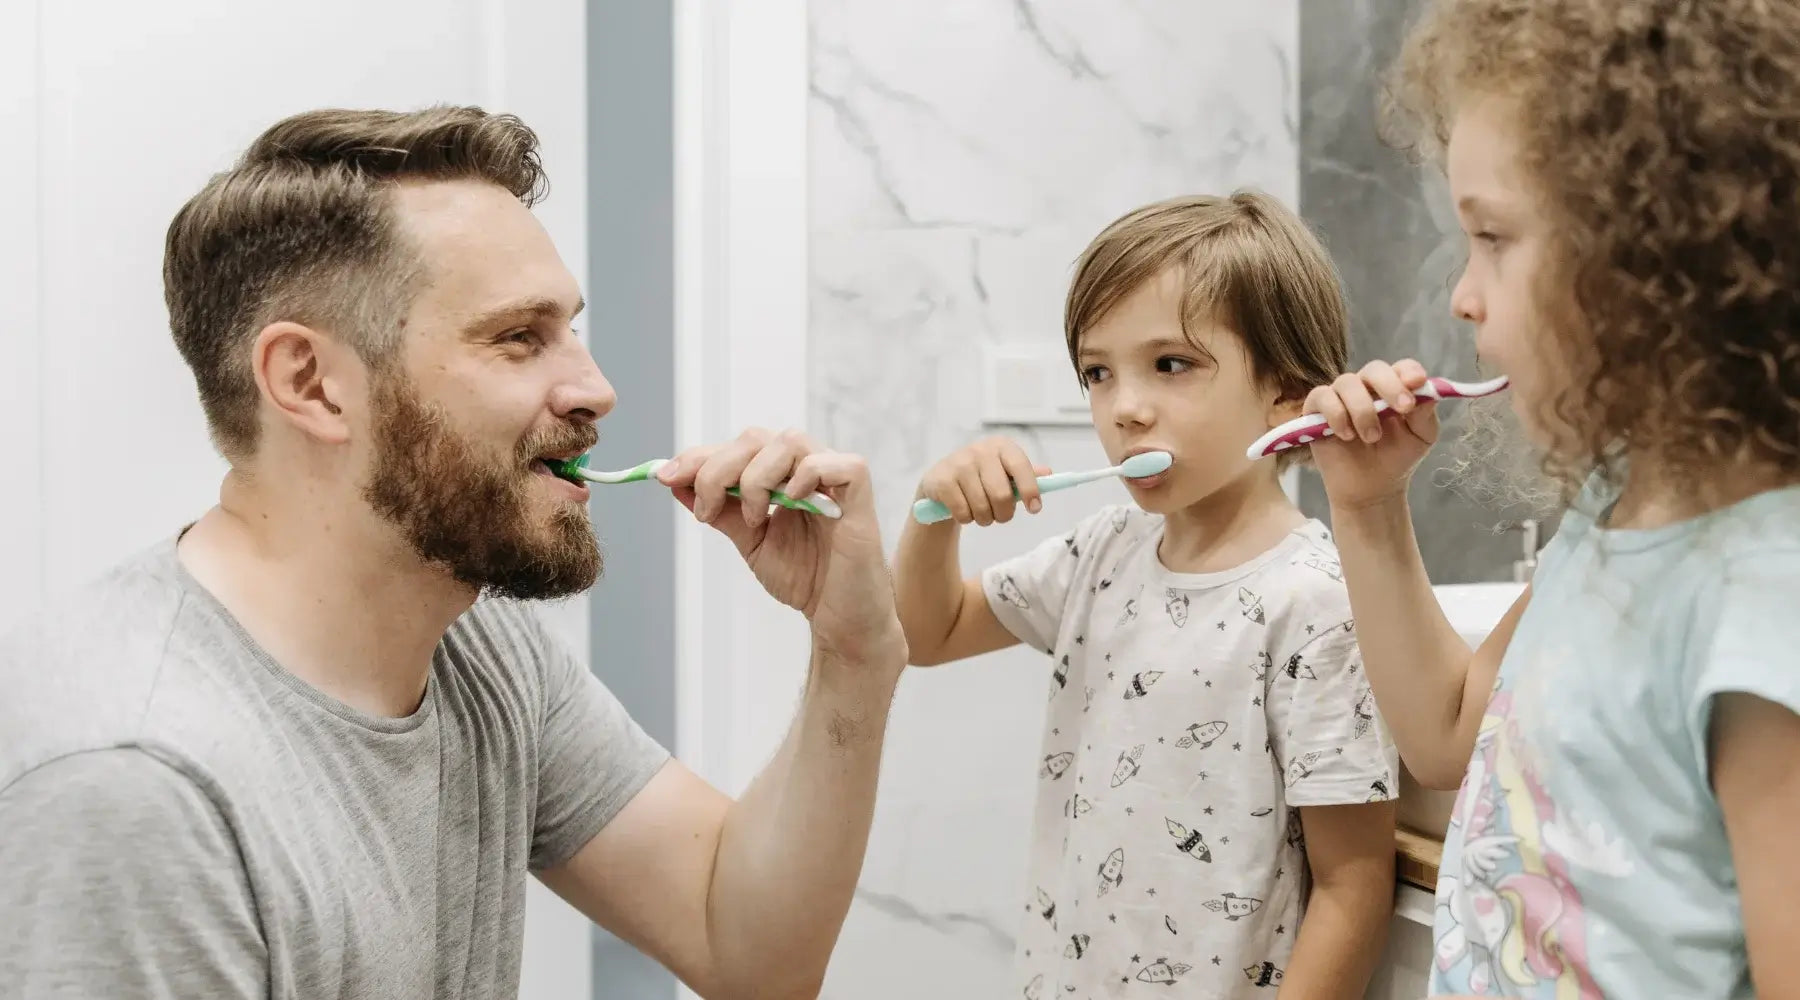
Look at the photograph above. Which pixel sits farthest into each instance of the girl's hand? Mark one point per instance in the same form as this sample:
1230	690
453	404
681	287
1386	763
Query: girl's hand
1370	457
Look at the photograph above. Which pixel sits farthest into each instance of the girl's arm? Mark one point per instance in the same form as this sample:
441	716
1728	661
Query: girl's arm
1755	743
1432	691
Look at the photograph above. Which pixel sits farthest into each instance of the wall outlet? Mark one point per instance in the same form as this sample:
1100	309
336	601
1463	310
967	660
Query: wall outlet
1022	386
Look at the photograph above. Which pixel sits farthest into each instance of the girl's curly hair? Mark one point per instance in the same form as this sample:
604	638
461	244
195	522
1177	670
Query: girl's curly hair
1663	139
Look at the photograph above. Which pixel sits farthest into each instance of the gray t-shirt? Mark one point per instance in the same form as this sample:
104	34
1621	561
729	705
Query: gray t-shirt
182	817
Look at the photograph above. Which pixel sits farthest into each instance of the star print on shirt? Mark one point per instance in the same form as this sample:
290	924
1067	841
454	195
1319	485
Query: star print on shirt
1310	630
1237	746
1221	626
1280	928
1257	701
1109	675
1215	960
1209	810
1112	917
1151	891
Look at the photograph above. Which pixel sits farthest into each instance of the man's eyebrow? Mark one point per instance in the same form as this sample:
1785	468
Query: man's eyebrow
533	308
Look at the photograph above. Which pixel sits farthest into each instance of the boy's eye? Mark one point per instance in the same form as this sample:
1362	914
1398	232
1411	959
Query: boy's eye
1093	373
1173	366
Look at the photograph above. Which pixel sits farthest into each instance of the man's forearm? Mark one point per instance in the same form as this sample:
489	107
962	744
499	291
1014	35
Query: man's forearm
792	846
1340	942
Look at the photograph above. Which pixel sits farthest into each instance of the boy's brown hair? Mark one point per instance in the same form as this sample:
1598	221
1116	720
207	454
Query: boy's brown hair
1662	137
1247	263
301	229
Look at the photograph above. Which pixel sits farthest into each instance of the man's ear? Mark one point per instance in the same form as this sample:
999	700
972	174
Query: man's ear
302	375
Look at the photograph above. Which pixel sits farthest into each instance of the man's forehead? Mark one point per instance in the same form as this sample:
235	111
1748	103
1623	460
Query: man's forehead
480	247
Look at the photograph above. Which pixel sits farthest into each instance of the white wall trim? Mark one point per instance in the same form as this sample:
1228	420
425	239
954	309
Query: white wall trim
534	65
22	501
740	99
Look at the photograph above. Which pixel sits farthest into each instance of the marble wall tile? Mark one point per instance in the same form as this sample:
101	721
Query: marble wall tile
961	155
1390	226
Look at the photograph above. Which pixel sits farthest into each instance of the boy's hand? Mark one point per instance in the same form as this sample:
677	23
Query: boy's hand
976	483
1371	456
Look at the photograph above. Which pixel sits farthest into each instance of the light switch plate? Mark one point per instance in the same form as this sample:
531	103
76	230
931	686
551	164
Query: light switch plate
1023	386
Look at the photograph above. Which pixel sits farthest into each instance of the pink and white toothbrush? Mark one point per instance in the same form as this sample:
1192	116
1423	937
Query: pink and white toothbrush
1310	428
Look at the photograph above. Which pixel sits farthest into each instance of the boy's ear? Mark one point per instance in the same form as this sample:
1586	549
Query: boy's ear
1283	406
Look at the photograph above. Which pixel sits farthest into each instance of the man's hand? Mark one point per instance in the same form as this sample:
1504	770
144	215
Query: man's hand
832	571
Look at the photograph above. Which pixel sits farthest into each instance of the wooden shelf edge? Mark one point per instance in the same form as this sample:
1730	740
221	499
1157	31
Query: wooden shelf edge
1416	858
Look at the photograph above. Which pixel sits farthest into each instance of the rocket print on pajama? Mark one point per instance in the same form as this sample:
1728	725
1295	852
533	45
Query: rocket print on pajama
1189	717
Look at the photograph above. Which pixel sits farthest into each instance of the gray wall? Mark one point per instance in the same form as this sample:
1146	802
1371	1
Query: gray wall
1391	229
630	323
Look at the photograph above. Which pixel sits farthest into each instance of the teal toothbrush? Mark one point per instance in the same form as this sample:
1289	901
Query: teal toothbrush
576	469
1149	463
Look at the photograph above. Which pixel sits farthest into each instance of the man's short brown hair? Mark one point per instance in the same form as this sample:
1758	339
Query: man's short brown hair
1246	262
302	229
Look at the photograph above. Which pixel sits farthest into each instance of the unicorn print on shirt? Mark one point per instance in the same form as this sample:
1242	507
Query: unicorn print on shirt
1515	920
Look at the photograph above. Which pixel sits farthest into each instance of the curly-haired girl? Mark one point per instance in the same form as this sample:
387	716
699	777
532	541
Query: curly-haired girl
1628	174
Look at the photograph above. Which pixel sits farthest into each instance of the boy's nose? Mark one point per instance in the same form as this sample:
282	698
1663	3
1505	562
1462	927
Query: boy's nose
1131	406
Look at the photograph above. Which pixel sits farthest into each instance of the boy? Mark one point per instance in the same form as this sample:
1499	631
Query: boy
1210	742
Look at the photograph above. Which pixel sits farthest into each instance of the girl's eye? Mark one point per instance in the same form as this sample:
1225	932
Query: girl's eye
1093	373
1173	366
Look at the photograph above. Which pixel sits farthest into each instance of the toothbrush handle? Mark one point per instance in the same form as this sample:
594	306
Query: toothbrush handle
1299	431
815	503
929	511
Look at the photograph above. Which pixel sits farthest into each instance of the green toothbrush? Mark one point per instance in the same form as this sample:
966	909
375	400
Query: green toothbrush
575	470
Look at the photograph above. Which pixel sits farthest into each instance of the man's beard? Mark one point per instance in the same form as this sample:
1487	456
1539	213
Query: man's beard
460	510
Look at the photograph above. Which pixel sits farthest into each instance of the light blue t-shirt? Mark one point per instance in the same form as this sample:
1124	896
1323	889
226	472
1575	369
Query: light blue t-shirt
1586	856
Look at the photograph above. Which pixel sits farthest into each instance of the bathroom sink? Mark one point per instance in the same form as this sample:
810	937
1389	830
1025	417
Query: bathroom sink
1473	609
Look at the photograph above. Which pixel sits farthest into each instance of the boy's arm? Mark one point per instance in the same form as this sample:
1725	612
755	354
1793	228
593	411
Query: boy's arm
1431	688
1350	853
1340	770
945	617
